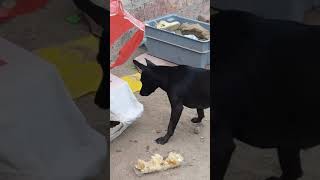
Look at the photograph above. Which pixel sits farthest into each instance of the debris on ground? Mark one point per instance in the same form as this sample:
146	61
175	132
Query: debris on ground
196	130
192	31
158	131
118	150
158	163
202	139
197	127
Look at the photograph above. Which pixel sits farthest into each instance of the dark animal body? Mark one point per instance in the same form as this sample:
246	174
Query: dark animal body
266	91
99	15
185	86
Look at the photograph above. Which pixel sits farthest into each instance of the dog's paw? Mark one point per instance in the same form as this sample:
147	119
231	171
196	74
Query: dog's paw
195	120
161	140
273	178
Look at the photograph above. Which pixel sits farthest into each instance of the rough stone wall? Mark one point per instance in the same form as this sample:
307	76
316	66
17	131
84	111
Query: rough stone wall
148	9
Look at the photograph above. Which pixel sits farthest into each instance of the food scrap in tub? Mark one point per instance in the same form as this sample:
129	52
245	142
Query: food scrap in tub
168	26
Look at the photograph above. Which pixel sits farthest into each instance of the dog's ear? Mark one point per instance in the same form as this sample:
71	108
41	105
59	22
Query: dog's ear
149	63
139	65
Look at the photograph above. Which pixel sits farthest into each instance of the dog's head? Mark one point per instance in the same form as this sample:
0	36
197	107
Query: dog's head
149	79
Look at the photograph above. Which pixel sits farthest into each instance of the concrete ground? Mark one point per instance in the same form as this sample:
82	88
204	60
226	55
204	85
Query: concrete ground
138	140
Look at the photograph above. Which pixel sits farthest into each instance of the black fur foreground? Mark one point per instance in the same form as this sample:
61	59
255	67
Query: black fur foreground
266	76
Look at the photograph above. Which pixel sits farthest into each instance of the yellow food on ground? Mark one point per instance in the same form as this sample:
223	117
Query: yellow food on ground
157	163
133	81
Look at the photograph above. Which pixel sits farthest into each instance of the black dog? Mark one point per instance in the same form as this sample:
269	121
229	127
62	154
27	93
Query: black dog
185	86
266	93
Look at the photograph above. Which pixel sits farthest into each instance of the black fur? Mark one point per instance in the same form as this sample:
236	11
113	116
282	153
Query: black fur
103	57
97	13
185	86
101	17
266	93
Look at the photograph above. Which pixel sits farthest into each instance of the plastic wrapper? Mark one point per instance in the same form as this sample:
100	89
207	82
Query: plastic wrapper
121	22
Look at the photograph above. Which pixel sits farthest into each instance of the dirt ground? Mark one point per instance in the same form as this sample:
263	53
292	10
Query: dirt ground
47	27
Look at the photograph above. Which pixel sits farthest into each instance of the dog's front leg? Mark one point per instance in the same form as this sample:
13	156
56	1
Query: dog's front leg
290	163
200	116
176	110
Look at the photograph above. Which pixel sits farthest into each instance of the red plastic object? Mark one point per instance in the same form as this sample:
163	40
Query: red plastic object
120	23
21	7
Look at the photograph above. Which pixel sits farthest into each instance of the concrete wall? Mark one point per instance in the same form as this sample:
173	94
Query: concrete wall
148	9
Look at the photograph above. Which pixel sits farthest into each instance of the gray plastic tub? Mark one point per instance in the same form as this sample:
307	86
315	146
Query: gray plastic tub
174	47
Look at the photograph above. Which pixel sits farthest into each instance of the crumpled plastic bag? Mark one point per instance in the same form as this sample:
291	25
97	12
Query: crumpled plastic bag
124	106
122	22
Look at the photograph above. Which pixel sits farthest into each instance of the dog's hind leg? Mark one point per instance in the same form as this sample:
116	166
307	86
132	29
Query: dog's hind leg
290	163
176	110
200	116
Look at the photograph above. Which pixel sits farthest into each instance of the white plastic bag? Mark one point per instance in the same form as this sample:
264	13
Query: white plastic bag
124	107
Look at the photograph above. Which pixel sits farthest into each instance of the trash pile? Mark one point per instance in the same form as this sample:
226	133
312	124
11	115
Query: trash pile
192	31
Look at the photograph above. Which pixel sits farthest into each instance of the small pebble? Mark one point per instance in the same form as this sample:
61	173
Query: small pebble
118	150
196	130
133	141
147	148
158	131
202	139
